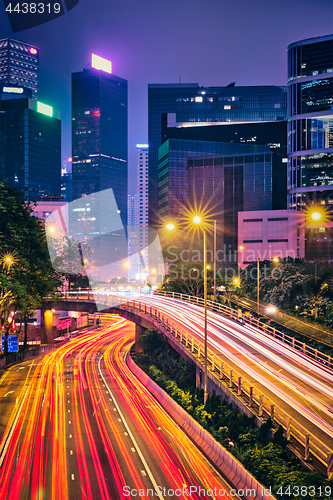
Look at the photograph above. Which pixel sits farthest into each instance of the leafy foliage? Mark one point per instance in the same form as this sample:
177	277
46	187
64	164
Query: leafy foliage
31	276
306	288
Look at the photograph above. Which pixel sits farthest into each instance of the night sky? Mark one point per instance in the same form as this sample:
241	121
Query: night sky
212	43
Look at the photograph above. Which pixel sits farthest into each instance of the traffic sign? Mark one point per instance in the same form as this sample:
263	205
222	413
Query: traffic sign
13	343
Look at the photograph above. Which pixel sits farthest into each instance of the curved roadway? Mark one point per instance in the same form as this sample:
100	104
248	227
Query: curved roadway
77	424
301	387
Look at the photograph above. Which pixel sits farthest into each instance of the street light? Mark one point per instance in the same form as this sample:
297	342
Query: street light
236	281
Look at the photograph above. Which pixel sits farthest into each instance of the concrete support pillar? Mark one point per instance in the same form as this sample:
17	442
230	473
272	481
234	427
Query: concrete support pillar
260	405
288	428
197	377
330	466
138	331
307	447
250	396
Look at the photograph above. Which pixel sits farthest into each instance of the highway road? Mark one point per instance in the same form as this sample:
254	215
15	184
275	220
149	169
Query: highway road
301	387
77	424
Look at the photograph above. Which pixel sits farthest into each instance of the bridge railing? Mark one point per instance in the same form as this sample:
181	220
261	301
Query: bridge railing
229	312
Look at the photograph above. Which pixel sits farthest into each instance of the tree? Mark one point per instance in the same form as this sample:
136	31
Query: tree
187	278
31	276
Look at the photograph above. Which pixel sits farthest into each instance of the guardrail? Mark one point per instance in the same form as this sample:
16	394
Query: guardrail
231	468
274	332
229	377
16	357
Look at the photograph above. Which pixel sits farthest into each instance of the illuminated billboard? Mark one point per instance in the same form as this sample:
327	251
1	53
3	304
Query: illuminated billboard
13	90
45	109
98	62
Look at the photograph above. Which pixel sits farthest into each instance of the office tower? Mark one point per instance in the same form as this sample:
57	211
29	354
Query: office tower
19	64
66	186
132	210
30	144
174	158
142	185
310	132
132	235
188	105
99	133
272	134
229	183
66	179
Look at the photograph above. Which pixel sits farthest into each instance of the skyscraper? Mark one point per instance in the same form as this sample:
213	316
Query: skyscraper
310	131
99	133
30	145
142	185
188	105
19	64
228	184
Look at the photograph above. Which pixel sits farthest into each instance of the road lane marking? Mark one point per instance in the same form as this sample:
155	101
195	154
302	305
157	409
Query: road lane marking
9	436
151	477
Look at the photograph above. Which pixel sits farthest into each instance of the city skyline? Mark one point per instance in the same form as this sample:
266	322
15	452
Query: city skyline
130	35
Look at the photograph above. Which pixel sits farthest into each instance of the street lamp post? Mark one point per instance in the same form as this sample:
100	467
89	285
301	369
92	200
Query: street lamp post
198	220
205	308
258	281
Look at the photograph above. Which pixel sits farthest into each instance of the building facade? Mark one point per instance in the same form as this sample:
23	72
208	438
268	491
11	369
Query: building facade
142	183
188	105
310	132
174	176
271	134
30	145
99	135
228	184
270	234
19	65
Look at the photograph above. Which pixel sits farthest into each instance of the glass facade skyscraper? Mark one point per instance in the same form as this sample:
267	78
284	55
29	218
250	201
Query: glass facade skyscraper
30	147
19	64
230	184
99	135
188	105
174	156
310	128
